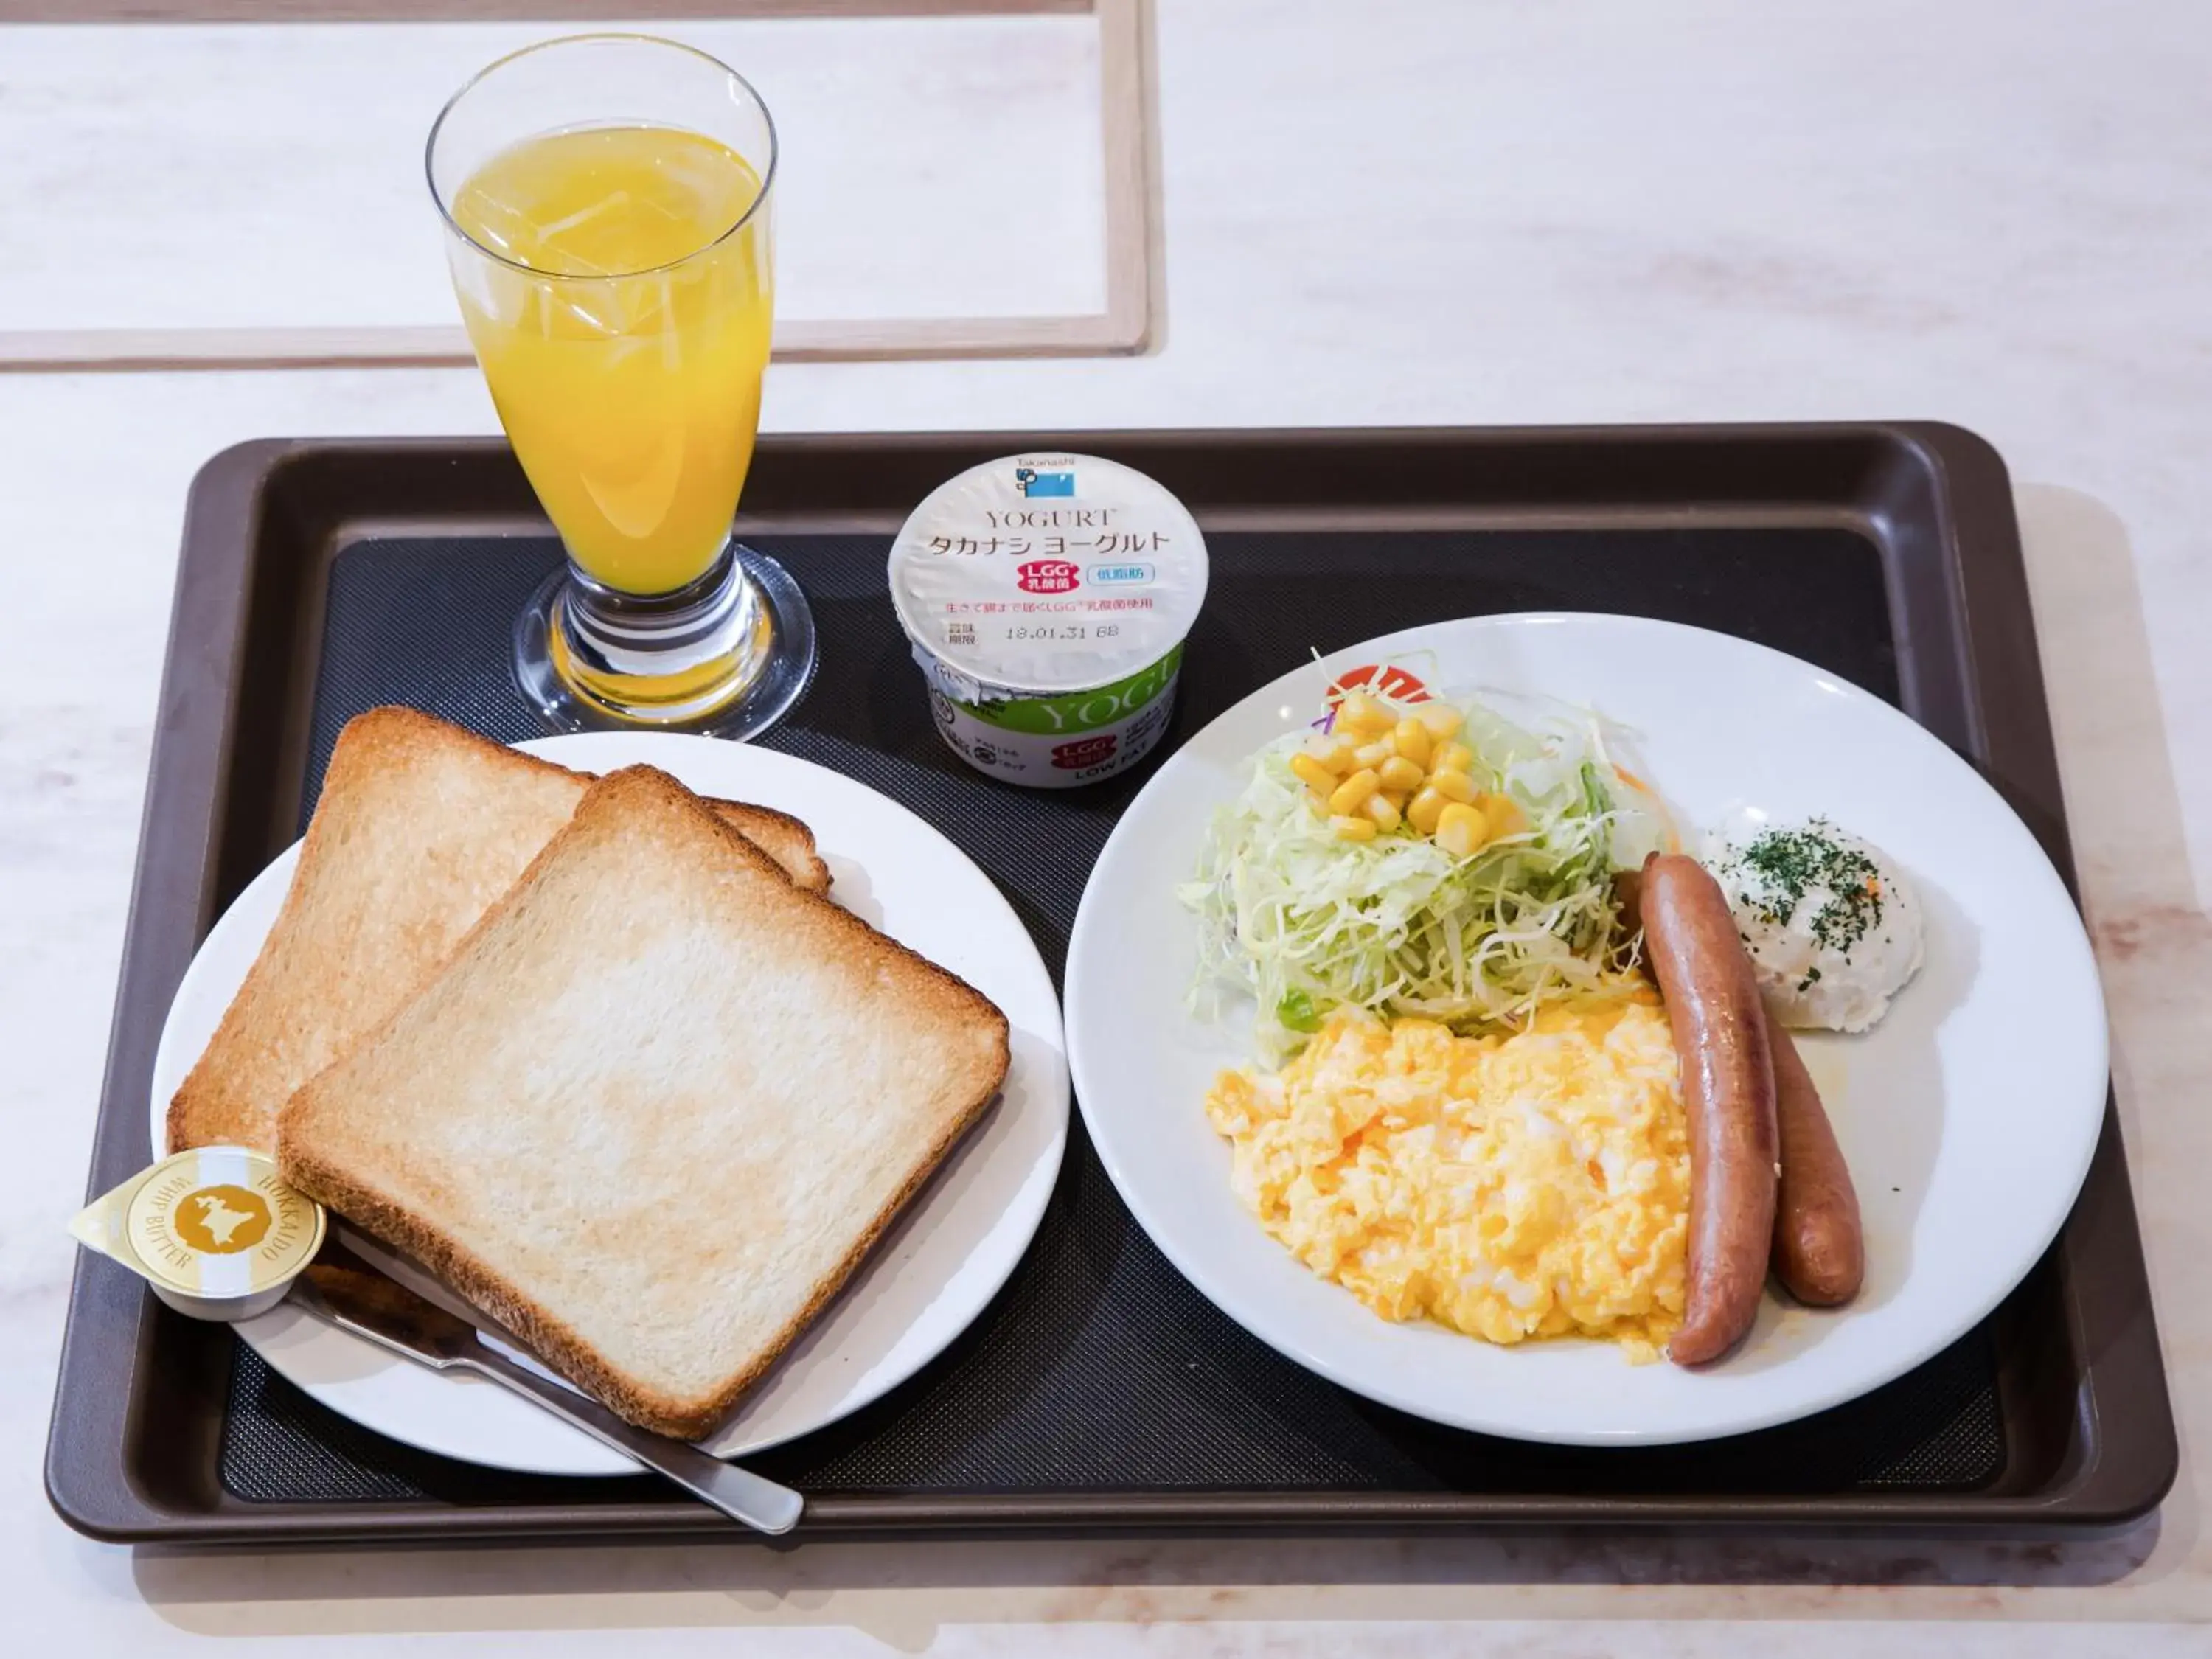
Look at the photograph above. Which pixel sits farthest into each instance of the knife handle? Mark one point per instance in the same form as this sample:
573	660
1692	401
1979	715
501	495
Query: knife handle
739	1493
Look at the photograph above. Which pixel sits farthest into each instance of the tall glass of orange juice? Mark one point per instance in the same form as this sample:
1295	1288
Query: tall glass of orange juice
607	204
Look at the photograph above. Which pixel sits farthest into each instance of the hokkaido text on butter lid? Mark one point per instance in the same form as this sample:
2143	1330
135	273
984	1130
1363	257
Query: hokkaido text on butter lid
214	1222
1045	573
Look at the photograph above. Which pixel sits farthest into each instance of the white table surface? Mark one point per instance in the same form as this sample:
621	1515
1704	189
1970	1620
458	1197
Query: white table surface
1997	212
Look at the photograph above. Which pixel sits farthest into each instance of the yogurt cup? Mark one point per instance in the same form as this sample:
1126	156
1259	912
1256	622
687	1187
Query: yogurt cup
1046	598
215	1230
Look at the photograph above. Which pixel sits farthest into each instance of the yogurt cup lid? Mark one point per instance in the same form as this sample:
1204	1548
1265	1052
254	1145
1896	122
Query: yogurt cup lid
214	1222
1047	573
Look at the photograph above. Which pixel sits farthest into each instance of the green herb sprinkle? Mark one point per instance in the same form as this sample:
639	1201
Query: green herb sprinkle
1786	864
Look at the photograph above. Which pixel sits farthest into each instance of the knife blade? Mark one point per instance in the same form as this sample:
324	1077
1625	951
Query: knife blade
360	1296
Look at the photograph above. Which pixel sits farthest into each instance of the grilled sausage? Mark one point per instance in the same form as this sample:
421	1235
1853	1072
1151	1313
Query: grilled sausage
1819	1251
1728	1085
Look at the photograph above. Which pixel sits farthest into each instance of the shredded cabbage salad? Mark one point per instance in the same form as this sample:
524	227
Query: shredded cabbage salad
1308	923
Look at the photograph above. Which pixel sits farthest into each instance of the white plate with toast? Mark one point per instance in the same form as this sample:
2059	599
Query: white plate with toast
1967	1116
949	1248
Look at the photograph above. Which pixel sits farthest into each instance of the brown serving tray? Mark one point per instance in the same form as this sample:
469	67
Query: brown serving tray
1099	1392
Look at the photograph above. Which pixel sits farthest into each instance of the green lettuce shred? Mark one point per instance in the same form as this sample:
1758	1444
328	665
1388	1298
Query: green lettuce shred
1306	923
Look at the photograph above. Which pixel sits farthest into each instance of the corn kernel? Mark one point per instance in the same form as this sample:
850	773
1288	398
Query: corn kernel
1441	718
1504	817
1453	785
1398	772
1462	828
1340	756
1374	754
1424	810
1383	810
1353	829
1351	795
1359	716
1411	740
1311	772
1452	757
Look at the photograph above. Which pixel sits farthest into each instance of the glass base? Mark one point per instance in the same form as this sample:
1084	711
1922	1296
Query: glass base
728	656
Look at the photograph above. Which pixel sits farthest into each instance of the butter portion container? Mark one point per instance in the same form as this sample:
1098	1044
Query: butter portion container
1046	598
215	1230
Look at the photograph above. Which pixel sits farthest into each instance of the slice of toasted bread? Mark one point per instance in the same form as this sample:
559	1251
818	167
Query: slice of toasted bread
419	827
656	1109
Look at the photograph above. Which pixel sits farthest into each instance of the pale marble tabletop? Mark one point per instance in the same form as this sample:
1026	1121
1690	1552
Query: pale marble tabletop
1419	211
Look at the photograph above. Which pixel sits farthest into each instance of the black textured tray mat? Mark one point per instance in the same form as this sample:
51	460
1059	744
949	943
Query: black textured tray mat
1099	1368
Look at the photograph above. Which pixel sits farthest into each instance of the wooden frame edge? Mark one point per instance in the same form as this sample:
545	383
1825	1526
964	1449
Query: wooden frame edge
1123	329
500	11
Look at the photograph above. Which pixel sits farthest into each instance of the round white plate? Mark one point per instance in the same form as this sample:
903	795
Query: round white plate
929	1277
1968	1115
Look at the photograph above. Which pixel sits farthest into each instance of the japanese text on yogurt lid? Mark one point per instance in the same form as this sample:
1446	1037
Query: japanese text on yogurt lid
1047	573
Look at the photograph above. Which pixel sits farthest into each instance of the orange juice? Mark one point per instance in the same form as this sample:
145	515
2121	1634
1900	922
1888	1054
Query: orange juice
623	337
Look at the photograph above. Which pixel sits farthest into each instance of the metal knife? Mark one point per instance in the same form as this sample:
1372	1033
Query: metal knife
401	1318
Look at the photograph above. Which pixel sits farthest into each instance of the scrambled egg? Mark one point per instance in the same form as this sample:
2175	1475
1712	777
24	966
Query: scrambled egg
1536	1184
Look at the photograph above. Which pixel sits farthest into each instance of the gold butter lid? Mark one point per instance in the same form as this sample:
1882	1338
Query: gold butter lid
213	1222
